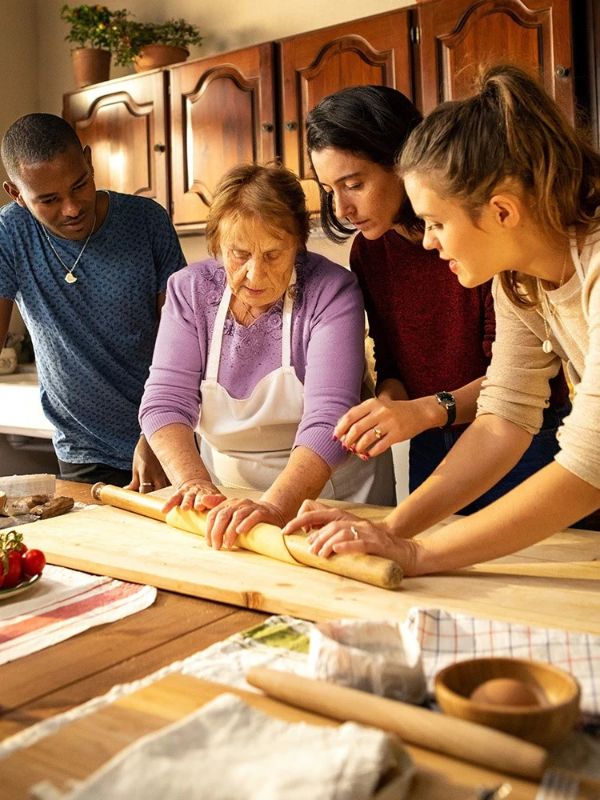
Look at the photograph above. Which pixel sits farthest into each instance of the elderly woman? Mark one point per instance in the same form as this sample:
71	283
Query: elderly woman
260	352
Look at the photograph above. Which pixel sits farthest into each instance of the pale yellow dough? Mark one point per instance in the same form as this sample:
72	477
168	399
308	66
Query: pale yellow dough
264	539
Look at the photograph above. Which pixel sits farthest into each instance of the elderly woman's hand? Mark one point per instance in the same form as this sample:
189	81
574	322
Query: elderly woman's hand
339	531
201	495
239	515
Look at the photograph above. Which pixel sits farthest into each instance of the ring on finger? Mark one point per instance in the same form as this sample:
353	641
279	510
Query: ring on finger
378	433
354	533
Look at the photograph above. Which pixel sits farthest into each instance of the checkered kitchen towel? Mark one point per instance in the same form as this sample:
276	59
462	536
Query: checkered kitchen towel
447	637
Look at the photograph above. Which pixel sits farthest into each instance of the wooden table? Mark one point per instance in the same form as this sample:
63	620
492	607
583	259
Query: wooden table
70	673
58	678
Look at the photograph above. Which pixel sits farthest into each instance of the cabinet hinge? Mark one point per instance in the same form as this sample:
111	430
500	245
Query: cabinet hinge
415	34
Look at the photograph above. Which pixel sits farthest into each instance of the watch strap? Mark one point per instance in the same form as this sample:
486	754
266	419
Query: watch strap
447	400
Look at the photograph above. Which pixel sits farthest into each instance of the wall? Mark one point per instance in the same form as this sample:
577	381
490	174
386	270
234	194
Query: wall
19	62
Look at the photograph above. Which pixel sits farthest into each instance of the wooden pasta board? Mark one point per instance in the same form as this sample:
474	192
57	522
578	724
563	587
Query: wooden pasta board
92	740
105	540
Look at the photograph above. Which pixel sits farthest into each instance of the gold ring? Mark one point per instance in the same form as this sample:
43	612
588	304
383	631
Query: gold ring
378	433
354	532
146	483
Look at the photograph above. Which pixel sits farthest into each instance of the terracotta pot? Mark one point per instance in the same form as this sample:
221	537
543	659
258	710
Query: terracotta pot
153	56
90	65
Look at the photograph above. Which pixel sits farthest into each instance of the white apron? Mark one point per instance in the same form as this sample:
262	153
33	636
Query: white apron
246	443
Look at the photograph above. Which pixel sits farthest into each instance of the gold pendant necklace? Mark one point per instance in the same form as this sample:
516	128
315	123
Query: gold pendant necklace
69	277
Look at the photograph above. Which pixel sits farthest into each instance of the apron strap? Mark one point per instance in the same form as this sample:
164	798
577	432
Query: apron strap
286	322
214	351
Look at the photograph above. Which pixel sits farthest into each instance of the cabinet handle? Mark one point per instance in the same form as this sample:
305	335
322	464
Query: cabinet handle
267	127
562	72
291	126
160	148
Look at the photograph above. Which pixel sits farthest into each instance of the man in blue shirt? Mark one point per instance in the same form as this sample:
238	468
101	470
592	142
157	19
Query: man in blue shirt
88	270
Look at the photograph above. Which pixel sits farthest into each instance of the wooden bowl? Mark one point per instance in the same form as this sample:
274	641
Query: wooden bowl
550	719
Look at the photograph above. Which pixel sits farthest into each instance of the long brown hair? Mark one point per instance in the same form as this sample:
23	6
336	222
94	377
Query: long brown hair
513	130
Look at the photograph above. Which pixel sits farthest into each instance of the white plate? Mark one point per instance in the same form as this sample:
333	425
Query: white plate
20	587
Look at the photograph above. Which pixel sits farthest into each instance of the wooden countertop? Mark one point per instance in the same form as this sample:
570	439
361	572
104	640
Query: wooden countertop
53	680
58	678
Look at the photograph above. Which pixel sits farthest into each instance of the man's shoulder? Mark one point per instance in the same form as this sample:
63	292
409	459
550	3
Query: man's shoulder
12	213
134	205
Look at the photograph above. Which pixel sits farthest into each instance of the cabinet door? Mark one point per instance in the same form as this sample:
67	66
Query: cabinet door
222	114
376	50
123	121
456	36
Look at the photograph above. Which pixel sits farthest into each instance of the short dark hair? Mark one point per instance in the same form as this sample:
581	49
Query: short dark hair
35	138
372	122
270	193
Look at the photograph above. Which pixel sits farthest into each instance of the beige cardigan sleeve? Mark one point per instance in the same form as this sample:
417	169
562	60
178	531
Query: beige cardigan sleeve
516	385
580	435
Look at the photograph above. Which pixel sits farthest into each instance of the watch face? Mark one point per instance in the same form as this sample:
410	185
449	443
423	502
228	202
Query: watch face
445	398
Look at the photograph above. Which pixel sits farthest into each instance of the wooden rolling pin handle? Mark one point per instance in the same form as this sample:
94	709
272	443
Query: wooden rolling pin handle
429	729
144	504
377	571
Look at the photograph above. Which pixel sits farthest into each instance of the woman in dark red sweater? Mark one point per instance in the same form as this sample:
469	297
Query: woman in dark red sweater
432	337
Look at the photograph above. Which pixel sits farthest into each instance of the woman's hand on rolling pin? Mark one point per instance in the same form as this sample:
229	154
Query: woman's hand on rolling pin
199	494
370	428
332	530
238	515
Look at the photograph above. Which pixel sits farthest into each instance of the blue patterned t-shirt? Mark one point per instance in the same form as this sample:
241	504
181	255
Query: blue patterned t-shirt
93	339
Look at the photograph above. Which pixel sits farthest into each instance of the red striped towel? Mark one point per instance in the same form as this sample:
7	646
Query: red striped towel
61	604
447	637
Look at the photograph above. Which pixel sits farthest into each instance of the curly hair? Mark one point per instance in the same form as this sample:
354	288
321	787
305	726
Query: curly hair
270	193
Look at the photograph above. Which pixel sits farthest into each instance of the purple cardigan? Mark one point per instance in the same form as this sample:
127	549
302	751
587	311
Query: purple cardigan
327	349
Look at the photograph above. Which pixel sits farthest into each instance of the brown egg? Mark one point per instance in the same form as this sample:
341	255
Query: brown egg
505	692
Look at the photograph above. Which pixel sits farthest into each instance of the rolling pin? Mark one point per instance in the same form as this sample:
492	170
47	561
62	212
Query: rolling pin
264	539
434	731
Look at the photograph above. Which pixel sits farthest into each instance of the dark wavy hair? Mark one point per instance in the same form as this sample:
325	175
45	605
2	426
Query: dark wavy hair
372	122
35	138
510	130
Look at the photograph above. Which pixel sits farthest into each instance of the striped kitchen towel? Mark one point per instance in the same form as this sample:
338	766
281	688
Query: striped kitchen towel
61	604
446	637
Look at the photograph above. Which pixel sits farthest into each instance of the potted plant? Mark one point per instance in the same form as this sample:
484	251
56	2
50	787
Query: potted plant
149	45
94	31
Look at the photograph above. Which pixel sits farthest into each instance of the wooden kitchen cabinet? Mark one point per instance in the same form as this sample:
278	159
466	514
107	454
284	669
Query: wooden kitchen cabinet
376	50
455	36
250	105
222	114
124	122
